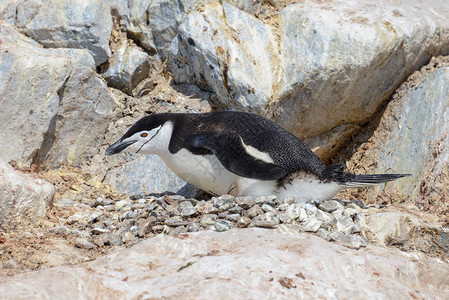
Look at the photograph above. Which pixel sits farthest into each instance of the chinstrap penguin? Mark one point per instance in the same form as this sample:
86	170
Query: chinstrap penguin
241	154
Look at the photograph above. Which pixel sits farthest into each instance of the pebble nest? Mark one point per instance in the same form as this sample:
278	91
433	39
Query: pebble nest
103	222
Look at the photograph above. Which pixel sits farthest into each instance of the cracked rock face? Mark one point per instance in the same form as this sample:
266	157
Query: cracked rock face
81	24
216	42
57	104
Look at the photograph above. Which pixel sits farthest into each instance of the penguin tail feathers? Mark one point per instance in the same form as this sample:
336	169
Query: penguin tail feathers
371	179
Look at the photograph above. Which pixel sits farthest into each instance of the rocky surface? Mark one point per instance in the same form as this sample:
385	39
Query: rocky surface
25	198
128	67
320	69
57	105
230	53
255	262
83	24
412	140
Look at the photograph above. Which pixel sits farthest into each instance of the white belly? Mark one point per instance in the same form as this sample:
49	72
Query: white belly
207	173
304	188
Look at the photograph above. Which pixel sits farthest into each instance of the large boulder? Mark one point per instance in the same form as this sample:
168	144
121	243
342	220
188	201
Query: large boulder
229	52
55	107
82	24
320	71
342	61
128	67
154	23
412	138
241	264
24	198
146	174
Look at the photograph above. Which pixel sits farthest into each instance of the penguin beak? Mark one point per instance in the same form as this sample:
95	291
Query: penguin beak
118	147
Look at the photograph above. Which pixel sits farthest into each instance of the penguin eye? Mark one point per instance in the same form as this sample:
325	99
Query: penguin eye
144	135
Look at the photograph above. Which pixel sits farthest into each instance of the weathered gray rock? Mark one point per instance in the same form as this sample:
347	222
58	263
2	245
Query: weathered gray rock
60	118
222	225
412	139
229	52
251	270
330	206
83	24
146	175
83	243
24	198
127	68
320	68
312	224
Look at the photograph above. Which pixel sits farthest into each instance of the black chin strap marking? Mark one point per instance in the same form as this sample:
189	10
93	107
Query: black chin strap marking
149	139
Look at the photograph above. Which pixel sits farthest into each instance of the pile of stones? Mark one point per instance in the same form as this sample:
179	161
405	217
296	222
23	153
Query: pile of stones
105	222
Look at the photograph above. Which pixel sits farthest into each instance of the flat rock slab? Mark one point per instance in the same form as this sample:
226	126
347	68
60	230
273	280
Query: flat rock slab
246	263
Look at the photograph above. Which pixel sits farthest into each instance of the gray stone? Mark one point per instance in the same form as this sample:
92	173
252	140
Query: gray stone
319	69
99	230
243	222
227	51
267	208
113	239
233	217
245	202
128	215
351	229
310	209
266	220
269	199
208	219
350	241
193	227
59	230
283	206
138	206
83	243
225	206
296	212
174	222
322	233
144	174
178	230
223	200
128	237
95	216
324	216
343	223
24	197
98	240
222	226
134	230
254	211
122	203
185	204
312	224
235	210
188	212
83	24
66	111
204	207
128	66
330	206
144	227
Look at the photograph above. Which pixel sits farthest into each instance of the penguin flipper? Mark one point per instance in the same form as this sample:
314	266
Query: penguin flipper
228	148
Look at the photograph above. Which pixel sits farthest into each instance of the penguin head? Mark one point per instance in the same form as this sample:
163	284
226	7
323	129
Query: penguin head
148	135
